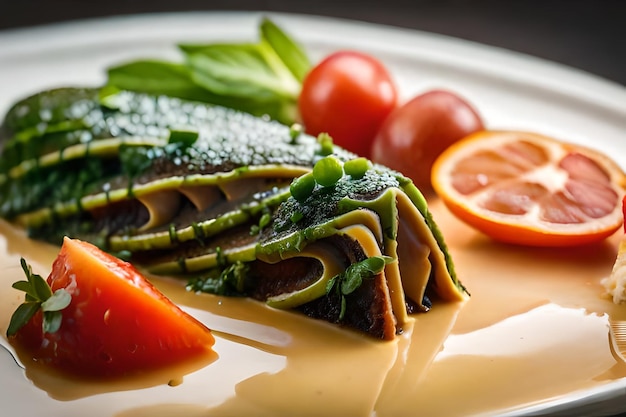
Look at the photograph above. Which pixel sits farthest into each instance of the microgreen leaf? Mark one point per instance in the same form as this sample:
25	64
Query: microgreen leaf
352	278
39	288
351	282
21	316
331	283
24	286
38	295
58	301
51	321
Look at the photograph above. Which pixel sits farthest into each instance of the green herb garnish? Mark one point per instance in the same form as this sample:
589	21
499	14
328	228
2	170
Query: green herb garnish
38	296
352	278
262	78
230	281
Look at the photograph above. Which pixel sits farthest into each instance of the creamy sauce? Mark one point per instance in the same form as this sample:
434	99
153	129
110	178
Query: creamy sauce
534	330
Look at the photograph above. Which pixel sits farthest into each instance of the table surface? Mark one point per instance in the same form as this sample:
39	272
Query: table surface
584	34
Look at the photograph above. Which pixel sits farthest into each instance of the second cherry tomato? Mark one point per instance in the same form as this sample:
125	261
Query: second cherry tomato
348	95
416	133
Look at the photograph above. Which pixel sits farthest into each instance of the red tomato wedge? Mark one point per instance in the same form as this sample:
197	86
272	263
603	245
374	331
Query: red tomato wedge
117	323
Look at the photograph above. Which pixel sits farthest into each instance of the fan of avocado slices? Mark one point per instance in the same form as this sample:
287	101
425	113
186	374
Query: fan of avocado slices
235	204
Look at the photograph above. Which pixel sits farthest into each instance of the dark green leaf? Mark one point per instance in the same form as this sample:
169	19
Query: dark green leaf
40	289
24	286
353	276
262	78
51	321
292	54
21	316
331	283
157	77
58	301
26	268
351	281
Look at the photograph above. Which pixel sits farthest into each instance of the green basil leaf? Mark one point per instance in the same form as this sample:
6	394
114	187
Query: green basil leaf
51	321
41	287
375	264
59	300
367	268
291	54
21	316
261	78
157	77
242	81
351	282
241	70
26	287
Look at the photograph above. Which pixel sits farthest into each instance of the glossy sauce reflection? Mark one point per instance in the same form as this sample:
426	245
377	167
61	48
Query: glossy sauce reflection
535	329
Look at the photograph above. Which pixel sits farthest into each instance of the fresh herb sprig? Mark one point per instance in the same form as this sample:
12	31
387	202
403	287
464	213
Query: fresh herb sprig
262	78
348	281
39	295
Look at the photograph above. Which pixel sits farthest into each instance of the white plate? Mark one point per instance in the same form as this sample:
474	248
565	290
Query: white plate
532	308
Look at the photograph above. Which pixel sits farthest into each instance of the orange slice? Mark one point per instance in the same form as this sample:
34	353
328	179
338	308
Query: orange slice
529	189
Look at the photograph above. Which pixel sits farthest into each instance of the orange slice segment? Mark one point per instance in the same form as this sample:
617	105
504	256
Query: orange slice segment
529	189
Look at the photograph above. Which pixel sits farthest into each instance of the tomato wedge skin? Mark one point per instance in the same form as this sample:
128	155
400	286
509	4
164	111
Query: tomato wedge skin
117	324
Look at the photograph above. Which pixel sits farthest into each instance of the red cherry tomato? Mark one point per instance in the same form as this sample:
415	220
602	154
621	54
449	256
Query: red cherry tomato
348	95
416	133
117	323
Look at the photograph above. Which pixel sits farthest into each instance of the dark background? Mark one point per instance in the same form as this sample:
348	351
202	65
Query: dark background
586	34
